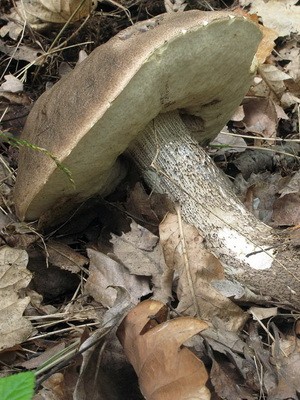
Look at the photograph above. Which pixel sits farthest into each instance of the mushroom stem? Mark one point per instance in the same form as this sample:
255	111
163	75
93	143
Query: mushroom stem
172	162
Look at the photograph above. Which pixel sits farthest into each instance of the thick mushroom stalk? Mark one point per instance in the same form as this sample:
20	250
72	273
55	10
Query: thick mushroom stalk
172	162
198	63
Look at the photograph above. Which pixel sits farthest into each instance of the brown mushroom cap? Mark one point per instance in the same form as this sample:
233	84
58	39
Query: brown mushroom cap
198	62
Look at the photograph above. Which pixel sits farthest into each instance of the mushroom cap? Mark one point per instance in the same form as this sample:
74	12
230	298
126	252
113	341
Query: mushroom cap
197	62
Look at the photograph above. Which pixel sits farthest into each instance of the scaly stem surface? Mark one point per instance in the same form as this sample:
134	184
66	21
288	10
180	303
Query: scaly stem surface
173	163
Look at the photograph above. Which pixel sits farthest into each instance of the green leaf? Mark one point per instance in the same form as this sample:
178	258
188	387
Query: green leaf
17	387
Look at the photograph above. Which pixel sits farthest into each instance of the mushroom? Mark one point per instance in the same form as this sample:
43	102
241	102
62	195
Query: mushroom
144	83
190	61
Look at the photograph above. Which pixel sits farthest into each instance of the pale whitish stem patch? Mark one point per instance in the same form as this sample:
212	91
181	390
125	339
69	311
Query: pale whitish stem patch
257	257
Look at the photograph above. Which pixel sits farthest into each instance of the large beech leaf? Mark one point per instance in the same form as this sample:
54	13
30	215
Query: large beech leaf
166	369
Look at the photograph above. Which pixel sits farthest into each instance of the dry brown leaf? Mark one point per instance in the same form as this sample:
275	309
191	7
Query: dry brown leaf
267	43
287	210
165	369
237	366
40	12
279	87
262	188
37	304
50	352
175	5
14	276
15	98
286	357
291	185
224	341
281	15
260	116
274	77
53	388
238	115
105	273
288	99
272	84
195	292
150	209
260	313
22	52
64	257
115	314
139	204
140	252
291	53
268	376
226	383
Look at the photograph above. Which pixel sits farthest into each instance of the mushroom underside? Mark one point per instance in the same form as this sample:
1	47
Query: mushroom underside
92	115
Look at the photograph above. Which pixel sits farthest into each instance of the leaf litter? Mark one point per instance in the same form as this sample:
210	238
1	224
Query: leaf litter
248	352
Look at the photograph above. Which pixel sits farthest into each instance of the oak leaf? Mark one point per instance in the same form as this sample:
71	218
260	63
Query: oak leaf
166	370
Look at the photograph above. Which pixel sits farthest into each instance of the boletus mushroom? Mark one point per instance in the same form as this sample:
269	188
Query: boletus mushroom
140	92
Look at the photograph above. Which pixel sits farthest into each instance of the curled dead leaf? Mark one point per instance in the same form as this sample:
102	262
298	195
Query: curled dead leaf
165	369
